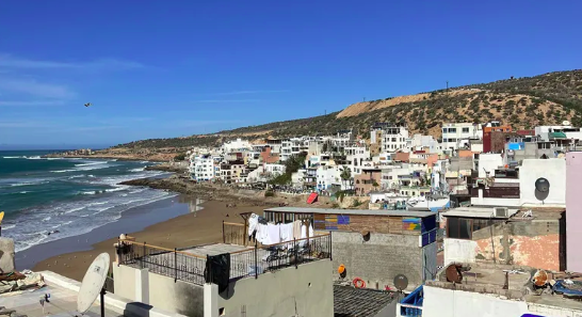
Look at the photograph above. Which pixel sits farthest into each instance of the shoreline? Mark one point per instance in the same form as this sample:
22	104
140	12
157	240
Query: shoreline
159	225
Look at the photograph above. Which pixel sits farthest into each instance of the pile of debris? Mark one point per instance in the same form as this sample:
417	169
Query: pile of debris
17	281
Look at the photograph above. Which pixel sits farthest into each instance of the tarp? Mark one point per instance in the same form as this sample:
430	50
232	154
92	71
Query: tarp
218	270
312	198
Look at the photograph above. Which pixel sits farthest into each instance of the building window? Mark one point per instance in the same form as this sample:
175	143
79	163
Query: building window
452	130
465	130
459	228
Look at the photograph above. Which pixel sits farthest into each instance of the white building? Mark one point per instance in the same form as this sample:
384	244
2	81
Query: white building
237	145
291	147
456	135
329	176
570	131
357	156
394	138
419	142
202	168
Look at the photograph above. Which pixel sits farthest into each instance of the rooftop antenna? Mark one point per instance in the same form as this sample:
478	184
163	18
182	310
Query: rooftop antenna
91	287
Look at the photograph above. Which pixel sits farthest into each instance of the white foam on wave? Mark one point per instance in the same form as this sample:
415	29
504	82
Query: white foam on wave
30	183
8	227
136	170
82	168
24	192
33	157
13	157
91	163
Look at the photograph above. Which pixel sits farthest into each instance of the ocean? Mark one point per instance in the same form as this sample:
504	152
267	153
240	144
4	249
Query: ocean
66	197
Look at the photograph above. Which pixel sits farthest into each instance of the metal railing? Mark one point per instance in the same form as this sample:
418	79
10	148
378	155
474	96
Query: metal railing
174	263
253	261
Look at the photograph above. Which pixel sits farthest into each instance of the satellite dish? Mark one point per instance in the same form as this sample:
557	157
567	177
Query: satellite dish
542	185
565	122
92	285
401	282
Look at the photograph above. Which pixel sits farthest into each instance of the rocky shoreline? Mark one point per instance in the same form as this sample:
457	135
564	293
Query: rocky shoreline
226	193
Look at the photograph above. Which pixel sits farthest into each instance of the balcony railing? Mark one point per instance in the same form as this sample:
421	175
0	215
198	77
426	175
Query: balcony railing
497	192
252	261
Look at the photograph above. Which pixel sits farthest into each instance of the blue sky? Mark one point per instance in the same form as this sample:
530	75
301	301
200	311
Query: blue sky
173	68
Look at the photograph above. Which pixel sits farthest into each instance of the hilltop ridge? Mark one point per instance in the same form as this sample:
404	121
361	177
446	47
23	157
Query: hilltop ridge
521	102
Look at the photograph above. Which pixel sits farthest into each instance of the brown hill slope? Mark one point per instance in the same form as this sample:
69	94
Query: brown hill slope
522	102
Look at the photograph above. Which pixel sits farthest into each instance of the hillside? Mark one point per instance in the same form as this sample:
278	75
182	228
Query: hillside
522	102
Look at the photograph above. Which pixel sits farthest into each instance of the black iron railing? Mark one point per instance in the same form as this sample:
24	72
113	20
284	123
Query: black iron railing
253	261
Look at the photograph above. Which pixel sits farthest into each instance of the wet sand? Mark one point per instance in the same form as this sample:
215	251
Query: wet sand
167	223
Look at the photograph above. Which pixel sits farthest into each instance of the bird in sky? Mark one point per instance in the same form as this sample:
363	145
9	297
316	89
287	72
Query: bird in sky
88	104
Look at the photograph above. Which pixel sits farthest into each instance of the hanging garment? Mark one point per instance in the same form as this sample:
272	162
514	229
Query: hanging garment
286	232
274	234
262	234
253	223
297	229
217	270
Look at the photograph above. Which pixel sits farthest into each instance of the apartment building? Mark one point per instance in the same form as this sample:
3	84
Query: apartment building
457	135
394	138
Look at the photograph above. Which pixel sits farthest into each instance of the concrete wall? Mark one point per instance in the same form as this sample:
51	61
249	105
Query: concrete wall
533	243
378	260
554	170
489	162
573	211
459	250
305	291
440	302
158	290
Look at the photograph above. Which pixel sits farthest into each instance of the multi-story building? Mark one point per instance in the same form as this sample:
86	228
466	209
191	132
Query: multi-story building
329	177
202	168
394	138
357	157
457	135
290	147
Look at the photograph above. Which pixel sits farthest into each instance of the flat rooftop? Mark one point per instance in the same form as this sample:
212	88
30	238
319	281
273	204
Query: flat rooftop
486	278
367	212
475	212
537	213
63	302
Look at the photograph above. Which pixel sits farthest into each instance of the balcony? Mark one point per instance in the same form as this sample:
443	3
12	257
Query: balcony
191	264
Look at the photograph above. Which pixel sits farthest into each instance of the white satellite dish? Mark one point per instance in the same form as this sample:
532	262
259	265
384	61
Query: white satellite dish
93	282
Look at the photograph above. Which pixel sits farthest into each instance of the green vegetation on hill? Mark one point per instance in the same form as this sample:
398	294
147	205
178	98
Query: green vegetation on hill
522	102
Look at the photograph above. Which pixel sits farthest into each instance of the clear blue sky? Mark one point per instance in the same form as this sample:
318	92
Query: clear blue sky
172	68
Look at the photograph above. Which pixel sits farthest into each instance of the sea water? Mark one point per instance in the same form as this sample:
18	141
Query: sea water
66	197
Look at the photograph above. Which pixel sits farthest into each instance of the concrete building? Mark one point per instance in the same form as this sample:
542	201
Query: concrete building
513	188
457	135
570	132
368	180
177	280
237	145
374	245
424	142
329	178
394	138
202	168
357	156
530	236
489	290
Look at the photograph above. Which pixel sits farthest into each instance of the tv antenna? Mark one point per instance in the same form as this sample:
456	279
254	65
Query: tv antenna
91	287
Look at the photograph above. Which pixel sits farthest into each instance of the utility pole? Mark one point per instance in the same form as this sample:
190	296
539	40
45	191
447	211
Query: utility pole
447	87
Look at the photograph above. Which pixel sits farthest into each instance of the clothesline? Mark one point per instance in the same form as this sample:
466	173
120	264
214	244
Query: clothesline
269	233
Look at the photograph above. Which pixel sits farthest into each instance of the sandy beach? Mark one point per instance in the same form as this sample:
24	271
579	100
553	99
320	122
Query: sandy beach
184	229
